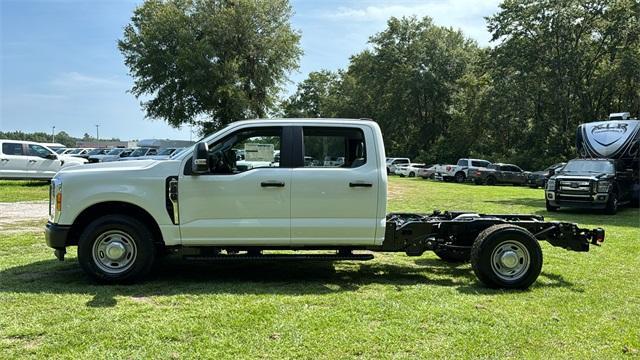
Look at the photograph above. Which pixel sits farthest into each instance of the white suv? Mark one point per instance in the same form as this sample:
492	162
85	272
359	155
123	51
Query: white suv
30	160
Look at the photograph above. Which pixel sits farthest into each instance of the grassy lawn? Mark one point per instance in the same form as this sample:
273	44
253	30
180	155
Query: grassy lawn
584	305
18	190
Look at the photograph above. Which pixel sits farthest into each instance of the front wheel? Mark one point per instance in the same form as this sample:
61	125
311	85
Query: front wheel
412	174
506	256
460	177
551	208
612	205
116	249
491	180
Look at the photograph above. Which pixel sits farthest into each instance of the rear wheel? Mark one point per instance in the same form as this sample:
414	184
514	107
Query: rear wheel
116	249
460	177
506	256
453	256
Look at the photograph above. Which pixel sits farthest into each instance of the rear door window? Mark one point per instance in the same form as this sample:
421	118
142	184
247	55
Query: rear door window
9	148
334	147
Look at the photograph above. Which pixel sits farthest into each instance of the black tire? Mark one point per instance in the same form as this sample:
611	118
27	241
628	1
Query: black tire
132	235
551	208
509	240
401	175
477	181
460	177
412	174
612	204
491	180
453	256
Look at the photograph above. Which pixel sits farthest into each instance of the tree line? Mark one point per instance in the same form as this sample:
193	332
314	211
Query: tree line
435	93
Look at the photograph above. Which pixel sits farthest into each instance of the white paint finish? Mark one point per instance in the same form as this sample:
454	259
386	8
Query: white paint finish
33	167
140	183
325	210
236	209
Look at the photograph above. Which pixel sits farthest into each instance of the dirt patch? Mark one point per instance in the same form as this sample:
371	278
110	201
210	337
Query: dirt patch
23	216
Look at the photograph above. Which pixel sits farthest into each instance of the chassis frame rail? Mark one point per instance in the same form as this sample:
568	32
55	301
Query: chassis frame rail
457	230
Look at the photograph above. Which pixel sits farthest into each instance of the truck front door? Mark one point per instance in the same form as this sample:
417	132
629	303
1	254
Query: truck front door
335	204
239	202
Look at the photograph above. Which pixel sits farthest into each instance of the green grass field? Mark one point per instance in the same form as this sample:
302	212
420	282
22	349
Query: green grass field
584	305
12	190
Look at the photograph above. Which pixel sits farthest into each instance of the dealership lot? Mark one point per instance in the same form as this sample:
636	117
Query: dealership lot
583	303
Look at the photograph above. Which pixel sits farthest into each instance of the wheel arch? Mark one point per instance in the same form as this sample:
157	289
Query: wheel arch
114	207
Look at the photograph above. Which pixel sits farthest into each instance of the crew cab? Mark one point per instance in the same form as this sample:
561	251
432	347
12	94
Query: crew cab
30	160
499	173
460	172
200	205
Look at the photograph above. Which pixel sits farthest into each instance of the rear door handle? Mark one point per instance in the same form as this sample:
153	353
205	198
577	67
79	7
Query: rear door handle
272	184
360	184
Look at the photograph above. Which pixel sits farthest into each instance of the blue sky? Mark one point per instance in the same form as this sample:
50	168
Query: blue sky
60	65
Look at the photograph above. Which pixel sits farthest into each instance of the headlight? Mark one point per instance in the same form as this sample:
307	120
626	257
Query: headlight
551	184
603	186
55	200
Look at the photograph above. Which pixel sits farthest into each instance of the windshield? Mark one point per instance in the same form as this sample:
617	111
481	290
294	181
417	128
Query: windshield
166	151
96	152
178	152
76	151
115	151
60	151
139	152
594	166
389	161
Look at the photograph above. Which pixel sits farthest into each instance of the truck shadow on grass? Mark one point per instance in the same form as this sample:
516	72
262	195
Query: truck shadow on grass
175	277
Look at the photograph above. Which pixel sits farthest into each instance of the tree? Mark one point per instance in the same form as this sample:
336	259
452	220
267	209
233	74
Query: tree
209	62
316	96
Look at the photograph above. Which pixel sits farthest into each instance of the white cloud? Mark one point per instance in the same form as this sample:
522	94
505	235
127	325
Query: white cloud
467	15
75	80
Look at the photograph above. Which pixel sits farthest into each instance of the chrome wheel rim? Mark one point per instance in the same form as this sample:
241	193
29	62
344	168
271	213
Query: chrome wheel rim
114	251
510	260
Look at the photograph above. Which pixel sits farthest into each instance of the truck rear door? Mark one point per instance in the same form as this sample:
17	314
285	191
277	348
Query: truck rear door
335	205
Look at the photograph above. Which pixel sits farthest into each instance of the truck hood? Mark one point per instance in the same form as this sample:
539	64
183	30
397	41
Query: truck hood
581	175
110	166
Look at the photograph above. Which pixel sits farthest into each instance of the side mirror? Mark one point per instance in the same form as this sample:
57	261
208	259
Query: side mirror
200	160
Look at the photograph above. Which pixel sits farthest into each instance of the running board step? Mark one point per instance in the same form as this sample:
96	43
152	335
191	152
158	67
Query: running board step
281	257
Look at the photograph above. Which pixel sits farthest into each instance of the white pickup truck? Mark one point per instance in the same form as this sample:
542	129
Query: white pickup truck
460	171
201	206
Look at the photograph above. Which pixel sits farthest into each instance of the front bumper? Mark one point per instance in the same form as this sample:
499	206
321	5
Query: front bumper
594	201
57	236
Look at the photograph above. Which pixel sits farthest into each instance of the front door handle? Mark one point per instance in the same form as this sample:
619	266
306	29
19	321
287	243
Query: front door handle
4	159
360	184
32	161
272	184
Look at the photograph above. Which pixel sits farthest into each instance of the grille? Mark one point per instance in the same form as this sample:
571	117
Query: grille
576	190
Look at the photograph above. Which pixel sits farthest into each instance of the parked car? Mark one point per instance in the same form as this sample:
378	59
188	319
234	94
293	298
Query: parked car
410	170
393	162
113	155
200	206
140	152
67	151
93	152
499	174
539	178
30	160
427	172
79	152
399	168
460	171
